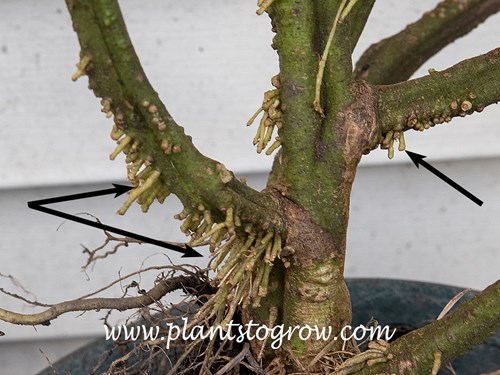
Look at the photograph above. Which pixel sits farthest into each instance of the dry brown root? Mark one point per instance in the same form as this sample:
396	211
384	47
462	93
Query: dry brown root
377	352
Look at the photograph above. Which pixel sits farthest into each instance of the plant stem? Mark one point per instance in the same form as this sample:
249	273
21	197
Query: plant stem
458	91
396	58
115	74
453	335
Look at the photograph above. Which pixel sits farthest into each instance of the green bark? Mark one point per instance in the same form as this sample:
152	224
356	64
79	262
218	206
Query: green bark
115	74
315	168
470	324
358	17
458	91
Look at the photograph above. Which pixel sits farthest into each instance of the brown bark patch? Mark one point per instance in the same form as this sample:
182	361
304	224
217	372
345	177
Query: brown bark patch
307	240
361	130
405	366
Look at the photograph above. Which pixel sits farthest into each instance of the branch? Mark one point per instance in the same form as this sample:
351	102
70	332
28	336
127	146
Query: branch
460	90
470	324
121	304
294	40
151	138
358	17
396	58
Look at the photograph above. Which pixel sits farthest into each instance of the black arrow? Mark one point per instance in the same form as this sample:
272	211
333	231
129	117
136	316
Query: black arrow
419	160
188	252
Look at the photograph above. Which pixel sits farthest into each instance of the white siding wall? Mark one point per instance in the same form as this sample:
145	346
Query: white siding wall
210	61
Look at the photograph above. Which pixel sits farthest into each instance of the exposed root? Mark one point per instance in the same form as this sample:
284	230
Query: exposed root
164	284
119	242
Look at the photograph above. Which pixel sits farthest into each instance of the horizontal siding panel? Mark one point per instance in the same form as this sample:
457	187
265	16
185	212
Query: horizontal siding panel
209	61
404	223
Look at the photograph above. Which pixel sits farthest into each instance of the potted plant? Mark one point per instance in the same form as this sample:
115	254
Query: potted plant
279	254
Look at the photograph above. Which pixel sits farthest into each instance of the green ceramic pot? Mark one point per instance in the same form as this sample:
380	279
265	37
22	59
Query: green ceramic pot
404	305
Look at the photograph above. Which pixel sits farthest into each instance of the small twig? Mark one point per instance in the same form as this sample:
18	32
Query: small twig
48	361
255	365
17	284
452	303
17	296
128	276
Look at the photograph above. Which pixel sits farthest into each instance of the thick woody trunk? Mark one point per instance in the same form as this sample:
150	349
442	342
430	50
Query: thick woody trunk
315	291
312	291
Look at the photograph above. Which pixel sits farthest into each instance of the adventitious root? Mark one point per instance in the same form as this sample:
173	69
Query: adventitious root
146	180
415	121
81	66
242	259
263	5
344	10
272	118
387	142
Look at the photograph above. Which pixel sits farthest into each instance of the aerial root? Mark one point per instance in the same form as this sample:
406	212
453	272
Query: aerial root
272	118
147	190
81	67
343	11
242	261
388	142
263	6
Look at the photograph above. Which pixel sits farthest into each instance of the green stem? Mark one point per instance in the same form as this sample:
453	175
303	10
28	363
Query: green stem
458	91
115	73
470	324
396	58
338	71
295	32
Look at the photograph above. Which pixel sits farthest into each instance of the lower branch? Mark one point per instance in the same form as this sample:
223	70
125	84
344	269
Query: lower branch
121	304
446	339
460	90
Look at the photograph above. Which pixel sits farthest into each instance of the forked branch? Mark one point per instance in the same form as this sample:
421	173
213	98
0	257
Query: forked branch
145	130
396	58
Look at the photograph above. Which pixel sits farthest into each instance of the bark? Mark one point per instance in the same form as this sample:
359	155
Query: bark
470	324
121	304
425	102
315	168
115	74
